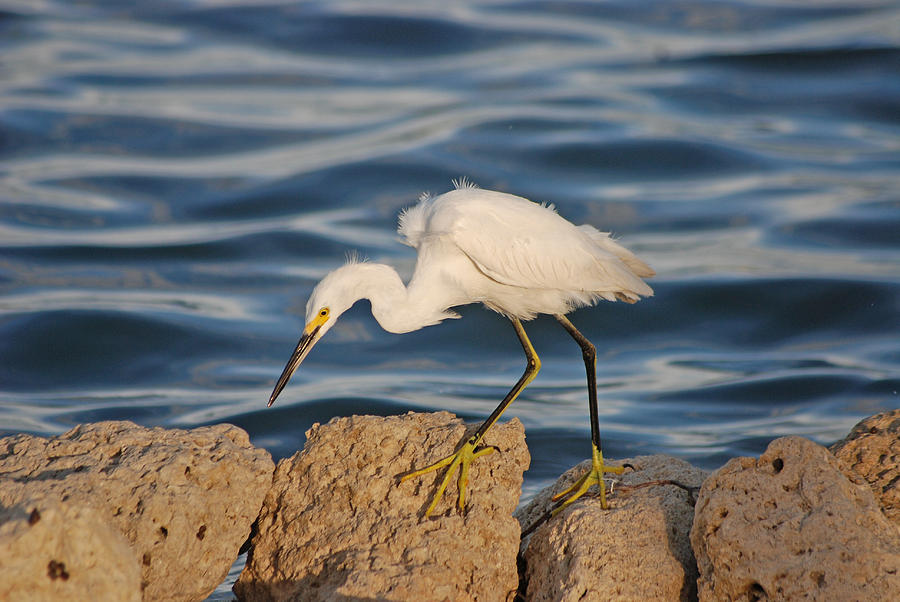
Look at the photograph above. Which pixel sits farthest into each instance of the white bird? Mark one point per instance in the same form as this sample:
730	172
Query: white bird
517	257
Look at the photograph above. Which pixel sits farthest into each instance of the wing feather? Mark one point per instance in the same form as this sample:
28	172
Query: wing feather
521	243
413	221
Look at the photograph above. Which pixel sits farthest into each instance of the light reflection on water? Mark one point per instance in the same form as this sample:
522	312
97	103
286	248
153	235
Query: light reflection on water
174	179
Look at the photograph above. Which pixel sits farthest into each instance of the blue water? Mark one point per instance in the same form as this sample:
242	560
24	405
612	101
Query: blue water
176	176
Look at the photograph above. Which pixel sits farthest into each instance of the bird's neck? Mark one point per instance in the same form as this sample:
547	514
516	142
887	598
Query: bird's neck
398	308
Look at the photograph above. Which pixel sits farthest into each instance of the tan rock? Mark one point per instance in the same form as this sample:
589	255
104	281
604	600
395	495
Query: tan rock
872	451
53	550
337	526
637	549
185	500
791	526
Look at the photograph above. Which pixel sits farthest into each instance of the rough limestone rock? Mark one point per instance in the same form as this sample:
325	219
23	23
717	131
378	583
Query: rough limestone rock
336	525
53	550
792	526
185	500
872	451
637	549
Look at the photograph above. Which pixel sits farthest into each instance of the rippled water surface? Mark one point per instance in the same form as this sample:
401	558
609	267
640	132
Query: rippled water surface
176	176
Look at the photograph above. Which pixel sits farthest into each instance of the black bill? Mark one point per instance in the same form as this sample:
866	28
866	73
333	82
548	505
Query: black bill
303	346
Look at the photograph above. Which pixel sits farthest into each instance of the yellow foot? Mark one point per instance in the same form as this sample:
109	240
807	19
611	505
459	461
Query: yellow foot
461	459
593	477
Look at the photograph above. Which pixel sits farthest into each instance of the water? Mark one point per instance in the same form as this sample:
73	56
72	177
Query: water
176	176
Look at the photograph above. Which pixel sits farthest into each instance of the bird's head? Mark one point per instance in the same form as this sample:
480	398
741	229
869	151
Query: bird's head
330	298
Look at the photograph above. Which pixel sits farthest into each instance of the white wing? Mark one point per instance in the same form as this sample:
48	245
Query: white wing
413	221
603	240
520	243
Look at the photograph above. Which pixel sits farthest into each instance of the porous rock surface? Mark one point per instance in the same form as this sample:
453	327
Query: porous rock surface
872	451
637	549
184	500
790	526
336	525
54	550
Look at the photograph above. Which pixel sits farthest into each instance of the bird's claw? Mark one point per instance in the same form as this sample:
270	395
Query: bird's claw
594	476
462	458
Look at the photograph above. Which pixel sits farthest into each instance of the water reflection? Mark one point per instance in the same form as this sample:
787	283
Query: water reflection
174	179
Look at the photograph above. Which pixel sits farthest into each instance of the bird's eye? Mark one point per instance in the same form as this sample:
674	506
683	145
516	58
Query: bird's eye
323	312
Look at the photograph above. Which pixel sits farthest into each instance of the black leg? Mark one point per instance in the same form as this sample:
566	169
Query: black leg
531	370
589	353
469	450
595	475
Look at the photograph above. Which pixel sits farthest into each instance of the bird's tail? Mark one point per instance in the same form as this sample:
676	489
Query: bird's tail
606	242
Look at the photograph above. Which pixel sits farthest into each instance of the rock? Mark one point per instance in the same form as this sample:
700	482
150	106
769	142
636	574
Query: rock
52	550
336	525
789	526
637	549
872	451
185	500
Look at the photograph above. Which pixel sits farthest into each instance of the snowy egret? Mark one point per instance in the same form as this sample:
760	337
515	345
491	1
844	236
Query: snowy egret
518	258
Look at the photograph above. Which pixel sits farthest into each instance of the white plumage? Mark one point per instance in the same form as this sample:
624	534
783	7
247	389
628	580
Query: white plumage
515	256
523	258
